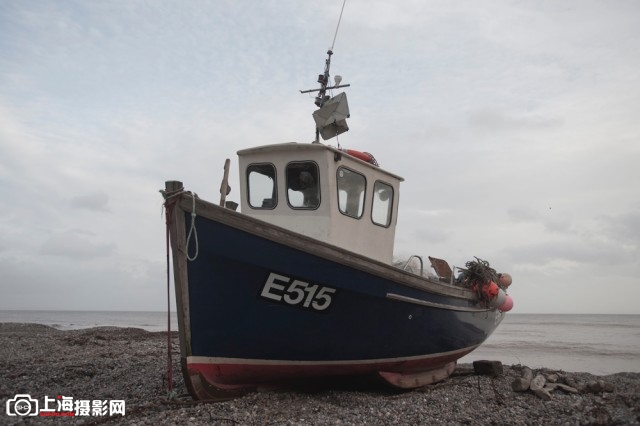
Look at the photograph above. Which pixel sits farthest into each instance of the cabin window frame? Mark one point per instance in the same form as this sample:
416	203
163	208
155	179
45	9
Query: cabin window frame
375	198
361	205
317	184
274	191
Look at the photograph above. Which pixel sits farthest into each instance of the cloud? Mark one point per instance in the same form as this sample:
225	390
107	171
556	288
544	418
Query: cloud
429	235
95	201
515	126
523	214
624	227
493	121
577	252
75	246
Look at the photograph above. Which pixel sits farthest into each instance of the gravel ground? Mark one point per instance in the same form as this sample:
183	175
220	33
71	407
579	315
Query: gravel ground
129	364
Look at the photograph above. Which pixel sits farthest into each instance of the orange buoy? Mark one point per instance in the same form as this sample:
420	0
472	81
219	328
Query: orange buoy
364	156
490	290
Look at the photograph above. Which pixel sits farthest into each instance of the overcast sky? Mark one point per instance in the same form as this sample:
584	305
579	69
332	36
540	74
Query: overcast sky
516	125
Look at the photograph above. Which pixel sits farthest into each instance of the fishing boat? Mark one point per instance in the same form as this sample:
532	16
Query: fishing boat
301	283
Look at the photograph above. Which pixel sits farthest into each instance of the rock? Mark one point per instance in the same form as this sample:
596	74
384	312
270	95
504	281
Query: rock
521	384
132	368
550	386
571	382
552	378
488	368
542	393
599	416
566	388
537	382
599	386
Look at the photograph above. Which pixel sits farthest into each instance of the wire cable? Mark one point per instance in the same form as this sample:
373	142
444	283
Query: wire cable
338	26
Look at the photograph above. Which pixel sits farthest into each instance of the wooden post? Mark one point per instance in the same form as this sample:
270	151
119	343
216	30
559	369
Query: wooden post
180	276
172	186
224	186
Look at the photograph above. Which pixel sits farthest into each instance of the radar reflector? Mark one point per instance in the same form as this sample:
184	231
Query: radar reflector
331	118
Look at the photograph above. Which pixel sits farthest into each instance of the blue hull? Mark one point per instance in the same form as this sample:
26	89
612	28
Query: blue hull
256	309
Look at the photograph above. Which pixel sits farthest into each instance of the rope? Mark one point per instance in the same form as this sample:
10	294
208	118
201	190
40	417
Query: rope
170	200
192	230
169	361
169	196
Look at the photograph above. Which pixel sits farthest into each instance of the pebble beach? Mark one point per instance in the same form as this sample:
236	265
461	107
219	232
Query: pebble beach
129	364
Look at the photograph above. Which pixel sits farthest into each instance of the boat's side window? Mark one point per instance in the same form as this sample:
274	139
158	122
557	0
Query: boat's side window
351	190
261	186
303	185
382	203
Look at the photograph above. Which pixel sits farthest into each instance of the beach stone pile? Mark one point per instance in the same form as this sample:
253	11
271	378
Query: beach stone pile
131	364
543	384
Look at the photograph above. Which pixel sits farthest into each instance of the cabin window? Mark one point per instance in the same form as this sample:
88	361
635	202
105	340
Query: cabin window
382	204
351	189
303	185
261	186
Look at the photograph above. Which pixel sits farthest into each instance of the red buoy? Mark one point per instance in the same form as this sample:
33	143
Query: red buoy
364	156
490	290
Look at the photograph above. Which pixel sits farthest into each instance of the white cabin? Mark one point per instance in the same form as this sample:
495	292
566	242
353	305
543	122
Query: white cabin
324	193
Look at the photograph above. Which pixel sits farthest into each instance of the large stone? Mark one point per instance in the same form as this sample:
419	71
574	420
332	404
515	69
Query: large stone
572	382
522	383
488	368
566	388
537	382
599	386
519	384
542	393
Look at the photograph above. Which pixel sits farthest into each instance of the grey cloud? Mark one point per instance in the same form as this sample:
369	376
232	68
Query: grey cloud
531	215
624	227
96	201
485	107
432	235
589	253
497	121
63	284
522	214
558	226
74	246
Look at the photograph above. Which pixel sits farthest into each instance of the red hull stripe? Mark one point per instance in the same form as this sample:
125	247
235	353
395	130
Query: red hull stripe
226	372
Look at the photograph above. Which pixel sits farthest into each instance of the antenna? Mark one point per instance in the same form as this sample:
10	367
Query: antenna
331	117
338	26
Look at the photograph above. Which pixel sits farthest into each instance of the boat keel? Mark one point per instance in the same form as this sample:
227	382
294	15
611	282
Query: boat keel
418	379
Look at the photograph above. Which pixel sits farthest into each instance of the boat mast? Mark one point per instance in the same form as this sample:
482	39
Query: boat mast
323	79
322	97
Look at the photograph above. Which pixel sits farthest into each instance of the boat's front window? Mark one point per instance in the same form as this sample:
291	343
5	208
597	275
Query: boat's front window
351	189
303	186
382	203
261	186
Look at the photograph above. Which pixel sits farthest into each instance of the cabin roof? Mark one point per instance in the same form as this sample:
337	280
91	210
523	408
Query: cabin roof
301	147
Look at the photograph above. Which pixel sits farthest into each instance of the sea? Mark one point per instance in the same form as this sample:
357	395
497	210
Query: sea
597	344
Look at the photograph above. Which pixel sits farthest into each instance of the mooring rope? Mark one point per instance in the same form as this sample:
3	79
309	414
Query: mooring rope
169	360
170	201
192	230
